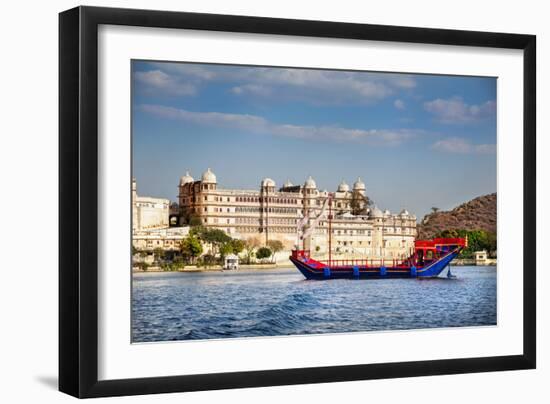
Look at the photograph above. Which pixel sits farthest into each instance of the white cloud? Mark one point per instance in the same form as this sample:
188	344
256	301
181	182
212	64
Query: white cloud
401	80
455	110
258	124
157	81
314	86
399	104
319	86
188	70
252	89
485	148
463	146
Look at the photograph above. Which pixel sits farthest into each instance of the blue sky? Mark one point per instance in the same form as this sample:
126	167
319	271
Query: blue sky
417	141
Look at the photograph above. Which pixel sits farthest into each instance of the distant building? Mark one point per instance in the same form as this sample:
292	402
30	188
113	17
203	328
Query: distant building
269	213
481	257
168	238
231	262
147	212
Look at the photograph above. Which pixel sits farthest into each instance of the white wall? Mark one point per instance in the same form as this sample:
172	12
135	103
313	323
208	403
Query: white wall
28	167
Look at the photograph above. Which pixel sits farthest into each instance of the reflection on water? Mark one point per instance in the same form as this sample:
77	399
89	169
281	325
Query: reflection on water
182	306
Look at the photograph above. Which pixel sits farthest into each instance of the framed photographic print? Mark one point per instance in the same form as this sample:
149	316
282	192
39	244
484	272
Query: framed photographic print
250	201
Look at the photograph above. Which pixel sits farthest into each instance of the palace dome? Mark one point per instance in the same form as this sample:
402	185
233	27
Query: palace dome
387	212
404	213
209	177
186	178
359	185
343	187
268	182
375	212
288	184
310	183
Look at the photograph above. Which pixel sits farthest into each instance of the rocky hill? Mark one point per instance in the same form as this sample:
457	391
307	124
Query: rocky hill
478	214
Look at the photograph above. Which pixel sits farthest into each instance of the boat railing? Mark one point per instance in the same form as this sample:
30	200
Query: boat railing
413	260
300	254
372	262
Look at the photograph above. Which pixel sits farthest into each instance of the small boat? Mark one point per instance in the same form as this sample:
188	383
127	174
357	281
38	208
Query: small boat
428	260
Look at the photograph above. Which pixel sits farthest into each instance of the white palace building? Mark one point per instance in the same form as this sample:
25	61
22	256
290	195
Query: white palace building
270	213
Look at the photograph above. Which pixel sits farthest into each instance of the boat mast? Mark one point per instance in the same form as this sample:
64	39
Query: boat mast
266	216
329	230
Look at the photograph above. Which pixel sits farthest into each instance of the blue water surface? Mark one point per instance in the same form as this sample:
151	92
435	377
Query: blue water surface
188	306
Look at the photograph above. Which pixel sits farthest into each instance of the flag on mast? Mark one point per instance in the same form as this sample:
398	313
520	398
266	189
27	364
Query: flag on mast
313	224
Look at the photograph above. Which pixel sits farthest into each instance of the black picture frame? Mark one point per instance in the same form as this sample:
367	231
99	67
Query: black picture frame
78	201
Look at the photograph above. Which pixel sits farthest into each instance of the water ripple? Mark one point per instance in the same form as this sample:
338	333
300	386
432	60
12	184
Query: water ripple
176	306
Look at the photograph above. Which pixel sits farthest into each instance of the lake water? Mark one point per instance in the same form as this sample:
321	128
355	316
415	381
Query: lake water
184	306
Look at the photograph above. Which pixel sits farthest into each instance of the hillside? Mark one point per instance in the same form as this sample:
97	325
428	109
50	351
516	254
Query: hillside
478	214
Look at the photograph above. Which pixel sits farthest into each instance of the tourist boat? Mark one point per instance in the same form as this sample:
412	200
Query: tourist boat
428	260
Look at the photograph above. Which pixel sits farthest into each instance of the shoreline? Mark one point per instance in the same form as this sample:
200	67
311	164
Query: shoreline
256	268
219	268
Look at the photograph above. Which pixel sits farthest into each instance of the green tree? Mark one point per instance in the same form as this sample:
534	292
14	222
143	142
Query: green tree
448	233
251	245
142	265
191	247
178	262
263	252
216	237
207	260
435	209
198	231
158	253
477	240
359	203
226	249
275	246
492	242
194	221
238	246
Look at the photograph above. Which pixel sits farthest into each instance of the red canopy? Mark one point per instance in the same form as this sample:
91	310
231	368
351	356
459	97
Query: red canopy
438	242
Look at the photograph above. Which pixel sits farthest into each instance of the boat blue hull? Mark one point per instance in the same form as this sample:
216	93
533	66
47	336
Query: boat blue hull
314	270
